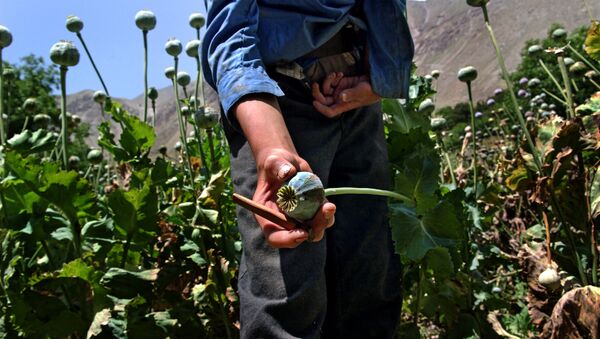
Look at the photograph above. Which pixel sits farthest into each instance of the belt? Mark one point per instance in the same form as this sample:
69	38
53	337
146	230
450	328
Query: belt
345	40
341	53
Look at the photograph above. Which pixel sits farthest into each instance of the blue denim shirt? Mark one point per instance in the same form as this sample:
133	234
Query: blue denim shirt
242	36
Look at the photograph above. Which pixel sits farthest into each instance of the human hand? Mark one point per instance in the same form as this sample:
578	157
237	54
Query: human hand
339	94
275	166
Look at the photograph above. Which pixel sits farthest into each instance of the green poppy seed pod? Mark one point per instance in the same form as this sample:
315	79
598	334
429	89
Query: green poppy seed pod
534	49
75	119
591	74
163	150
178	146
170	72
192	48
568	61
578	68
477	3
64	53
533	83
467	74
206	117
302	196
30	105
73	161
74	24
9	74
435	73
192	101
145	20
559	34
437	124
94	156
173	47
428	78
153	93
41	120
197	20
5	37
426	107
183	78
99	97
185	111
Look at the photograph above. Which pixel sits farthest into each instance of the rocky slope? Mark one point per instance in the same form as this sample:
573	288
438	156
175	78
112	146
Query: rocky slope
449	35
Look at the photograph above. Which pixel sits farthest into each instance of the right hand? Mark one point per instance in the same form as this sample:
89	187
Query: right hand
275	167
276	160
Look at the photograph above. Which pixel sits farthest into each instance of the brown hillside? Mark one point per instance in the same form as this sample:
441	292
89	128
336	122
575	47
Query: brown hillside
449	35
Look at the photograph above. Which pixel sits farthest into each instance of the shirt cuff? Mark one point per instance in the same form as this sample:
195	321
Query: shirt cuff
238	82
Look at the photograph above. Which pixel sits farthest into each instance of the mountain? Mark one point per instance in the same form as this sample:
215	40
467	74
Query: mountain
448	35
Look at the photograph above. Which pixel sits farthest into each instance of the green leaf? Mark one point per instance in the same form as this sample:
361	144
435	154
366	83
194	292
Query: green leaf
126	284
403	120
135	209
414	235
64	189
595	195
519	179
417	178
592	41
136	140
29	143
439	262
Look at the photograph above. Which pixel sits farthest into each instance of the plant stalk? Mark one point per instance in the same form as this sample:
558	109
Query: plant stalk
145	34
369	191
186	157
93	64
63	111
583	58
509	86
567	84
473	133
200	149
547	226
211	148
2	136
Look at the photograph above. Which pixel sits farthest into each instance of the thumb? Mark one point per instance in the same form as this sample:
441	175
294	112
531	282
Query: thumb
350	94
280	168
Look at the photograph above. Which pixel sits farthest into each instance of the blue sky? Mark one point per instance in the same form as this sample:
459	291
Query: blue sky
110	34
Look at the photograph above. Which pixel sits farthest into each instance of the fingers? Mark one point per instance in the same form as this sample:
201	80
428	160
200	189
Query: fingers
332	111
362	93
323	220
318	95
331	81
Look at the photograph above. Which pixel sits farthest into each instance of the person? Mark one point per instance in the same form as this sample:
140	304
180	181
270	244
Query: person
299	83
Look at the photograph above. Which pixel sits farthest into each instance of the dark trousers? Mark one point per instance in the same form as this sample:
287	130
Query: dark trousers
348	284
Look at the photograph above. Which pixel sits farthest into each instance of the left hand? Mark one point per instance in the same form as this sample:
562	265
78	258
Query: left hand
339	94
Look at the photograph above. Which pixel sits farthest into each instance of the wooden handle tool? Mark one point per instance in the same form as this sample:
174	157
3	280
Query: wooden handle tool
267	213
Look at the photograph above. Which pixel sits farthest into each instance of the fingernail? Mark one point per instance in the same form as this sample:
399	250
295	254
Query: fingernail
283	171
344	97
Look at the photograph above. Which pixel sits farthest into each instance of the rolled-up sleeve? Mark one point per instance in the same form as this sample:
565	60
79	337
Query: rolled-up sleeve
231	59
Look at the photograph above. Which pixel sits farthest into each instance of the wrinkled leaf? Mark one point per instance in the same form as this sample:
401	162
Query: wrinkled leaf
576	315
592	41
414	235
